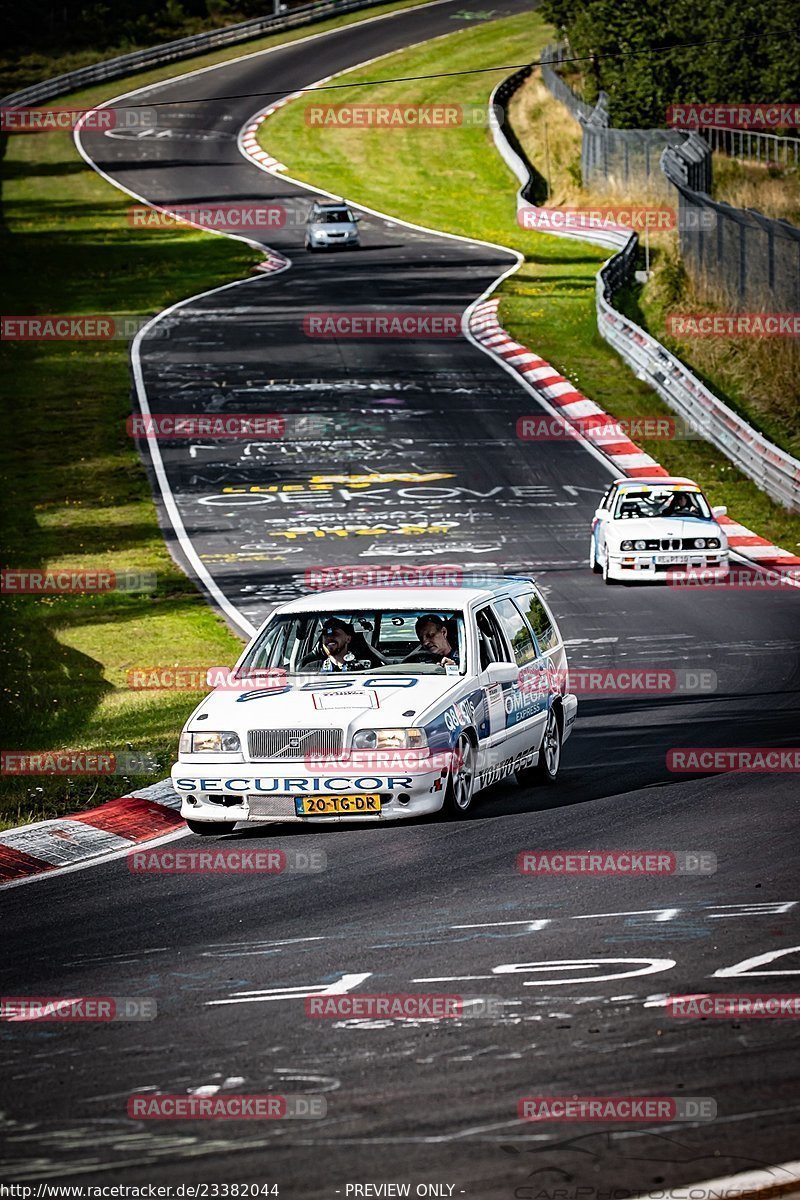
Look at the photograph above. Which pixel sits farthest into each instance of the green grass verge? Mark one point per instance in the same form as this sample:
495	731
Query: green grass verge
76	493
454	180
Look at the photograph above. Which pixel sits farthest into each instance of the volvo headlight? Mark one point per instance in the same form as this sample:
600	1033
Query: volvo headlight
390	739
210	743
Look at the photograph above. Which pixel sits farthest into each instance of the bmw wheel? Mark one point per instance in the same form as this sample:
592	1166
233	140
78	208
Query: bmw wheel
461	783
593	563
607	578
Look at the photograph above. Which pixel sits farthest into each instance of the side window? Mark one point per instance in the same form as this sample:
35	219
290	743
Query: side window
606	501
540	621
491	646
517	632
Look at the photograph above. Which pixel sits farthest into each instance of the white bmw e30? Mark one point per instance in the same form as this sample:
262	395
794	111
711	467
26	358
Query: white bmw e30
380	703
644	529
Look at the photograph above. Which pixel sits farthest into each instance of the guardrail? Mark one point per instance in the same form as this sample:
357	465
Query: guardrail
772	469
230	35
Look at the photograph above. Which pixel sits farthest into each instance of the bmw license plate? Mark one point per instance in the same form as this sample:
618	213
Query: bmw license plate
668	558
321	806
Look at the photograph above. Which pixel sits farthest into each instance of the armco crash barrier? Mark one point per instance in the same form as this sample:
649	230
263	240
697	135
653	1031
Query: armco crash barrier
772	469
167	52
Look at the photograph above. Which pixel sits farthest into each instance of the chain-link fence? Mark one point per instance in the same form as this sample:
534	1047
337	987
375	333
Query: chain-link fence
622	161
752	260
753	146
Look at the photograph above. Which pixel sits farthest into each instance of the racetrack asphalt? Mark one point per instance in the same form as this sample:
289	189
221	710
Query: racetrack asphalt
430	906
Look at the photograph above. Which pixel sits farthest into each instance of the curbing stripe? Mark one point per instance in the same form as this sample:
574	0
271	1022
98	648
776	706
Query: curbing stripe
16	864
116	826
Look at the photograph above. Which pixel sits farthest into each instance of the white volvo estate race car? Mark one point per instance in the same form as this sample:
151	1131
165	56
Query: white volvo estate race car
646	528
382	703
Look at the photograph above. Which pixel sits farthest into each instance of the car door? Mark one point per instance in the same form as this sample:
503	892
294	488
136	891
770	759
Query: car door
494	662
526	700
601	518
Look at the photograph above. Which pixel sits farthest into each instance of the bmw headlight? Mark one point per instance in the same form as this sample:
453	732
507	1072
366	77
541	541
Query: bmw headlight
210	743
390	739
626	545
699	543
640	545
713	543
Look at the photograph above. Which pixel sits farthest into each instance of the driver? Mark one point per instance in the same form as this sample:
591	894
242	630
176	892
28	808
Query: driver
335	639
680	504
434	638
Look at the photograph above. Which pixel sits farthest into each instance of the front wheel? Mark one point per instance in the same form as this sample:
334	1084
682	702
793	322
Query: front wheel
607	577
549	762
593	563
210	828
460	786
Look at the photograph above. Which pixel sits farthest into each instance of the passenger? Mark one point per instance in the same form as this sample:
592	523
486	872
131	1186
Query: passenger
435	640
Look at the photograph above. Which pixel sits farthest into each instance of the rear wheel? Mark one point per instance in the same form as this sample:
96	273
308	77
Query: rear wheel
210	828
460	786
547	767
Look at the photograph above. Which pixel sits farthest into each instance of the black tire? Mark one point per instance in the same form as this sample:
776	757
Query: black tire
547	768
461	784
595	565
606	577
210	828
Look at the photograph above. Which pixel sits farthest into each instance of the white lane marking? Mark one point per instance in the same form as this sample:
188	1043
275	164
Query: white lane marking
342	985
532	926
652	966
782	1176
745	967
213	589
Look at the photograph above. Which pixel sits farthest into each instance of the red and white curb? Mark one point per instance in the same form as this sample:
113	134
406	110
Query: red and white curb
273	262
629	458
249	138
110	830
